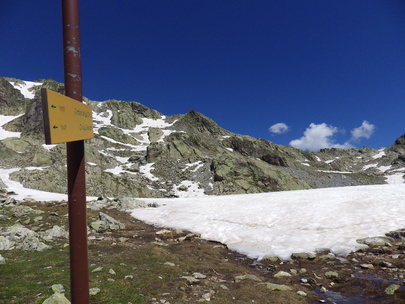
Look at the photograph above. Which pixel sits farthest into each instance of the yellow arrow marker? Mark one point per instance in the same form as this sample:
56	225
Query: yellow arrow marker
65	119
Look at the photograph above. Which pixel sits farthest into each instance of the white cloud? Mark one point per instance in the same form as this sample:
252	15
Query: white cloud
318	136
278	128
365	130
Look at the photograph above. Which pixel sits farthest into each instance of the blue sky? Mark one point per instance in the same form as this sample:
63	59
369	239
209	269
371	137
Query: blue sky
308	73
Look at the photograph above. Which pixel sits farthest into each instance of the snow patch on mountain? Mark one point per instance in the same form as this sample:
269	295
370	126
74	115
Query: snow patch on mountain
26	87
4	119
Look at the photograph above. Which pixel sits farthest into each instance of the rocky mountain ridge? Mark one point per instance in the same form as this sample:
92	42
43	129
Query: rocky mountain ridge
139	152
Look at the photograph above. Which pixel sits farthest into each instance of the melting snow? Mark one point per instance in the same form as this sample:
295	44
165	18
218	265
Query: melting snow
193	189
384	168
197	166
22	192
146	170
280	223
149	122
396	178
26	88
369	166
4	119
380	154
116	171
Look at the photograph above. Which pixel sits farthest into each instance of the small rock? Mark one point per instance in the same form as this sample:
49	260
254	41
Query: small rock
207	296
329	256
301	293
278	287
111	271
331	275
386	264
282	274
302	271
272	259
322	251
390	290
57	298
303	256
247	277
99	226
55	232
161	244
2	260
38	219
191	280
58	288
323	289
94	291
376	241
129	277
170	264
97	269
367	266
164	231
198	275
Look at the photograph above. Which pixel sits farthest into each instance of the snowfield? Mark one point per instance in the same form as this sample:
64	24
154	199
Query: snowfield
281	223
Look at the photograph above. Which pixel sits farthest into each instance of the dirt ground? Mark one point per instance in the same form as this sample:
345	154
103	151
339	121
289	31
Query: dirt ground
167	266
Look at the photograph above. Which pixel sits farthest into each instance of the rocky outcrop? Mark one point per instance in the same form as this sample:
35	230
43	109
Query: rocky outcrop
246	175
399	146
12	102
139	152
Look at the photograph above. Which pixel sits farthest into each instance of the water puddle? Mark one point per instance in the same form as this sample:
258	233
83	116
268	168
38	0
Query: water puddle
337	297
330	297
362	276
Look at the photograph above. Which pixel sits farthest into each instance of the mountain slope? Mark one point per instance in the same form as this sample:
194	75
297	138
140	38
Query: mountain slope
139	152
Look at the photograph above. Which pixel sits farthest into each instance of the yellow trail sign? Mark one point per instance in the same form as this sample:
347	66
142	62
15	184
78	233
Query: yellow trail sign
65	119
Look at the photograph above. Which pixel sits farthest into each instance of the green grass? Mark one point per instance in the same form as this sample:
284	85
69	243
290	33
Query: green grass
28	275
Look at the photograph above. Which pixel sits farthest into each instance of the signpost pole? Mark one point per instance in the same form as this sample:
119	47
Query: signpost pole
79	277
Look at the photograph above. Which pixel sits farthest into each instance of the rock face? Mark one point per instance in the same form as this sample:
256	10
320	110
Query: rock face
12	101
138	152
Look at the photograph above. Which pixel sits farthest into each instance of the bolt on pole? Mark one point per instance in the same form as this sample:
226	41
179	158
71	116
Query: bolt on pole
79	277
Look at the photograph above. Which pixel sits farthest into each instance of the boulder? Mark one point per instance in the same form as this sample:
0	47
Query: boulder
105	223
55	232
154	134
303	256
6	244
19	237
376	241
57	298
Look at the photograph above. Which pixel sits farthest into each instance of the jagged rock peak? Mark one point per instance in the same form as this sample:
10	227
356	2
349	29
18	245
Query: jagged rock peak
197	121
399	145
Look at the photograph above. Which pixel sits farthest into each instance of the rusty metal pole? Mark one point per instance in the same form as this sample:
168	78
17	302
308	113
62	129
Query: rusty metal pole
79	277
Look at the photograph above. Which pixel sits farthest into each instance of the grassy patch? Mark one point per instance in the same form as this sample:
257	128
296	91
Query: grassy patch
28	275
